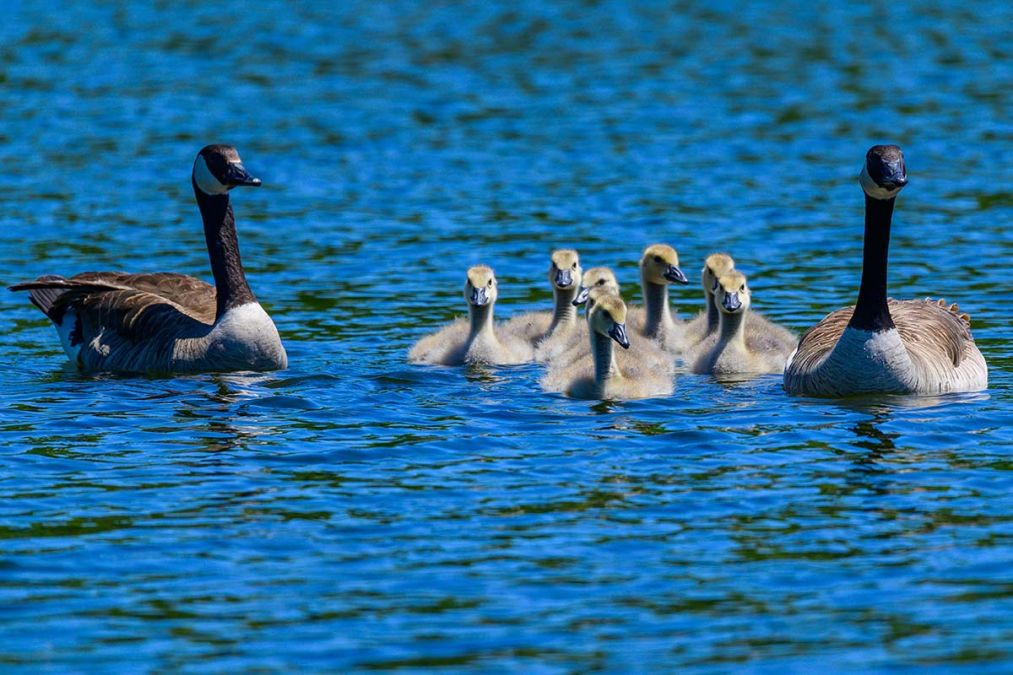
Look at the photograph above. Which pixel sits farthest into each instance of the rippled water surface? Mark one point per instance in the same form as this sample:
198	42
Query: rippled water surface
356	512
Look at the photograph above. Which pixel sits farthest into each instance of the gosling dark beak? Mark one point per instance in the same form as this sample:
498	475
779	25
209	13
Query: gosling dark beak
237	175
731	302
581	297
479	297
618	333
675	275
563	278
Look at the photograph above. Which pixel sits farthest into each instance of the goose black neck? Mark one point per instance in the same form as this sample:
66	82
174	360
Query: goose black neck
223	250
871	311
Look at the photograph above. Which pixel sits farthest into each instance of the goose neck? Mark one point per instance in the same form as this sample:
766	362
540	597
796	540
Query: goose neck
871	311
564	313
658	312
480	321
731	329
603	350
231	287
713	313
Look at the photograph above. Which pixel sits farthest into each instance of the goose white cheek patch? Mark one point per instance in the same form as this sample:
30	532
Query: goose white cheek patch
205	179
873	190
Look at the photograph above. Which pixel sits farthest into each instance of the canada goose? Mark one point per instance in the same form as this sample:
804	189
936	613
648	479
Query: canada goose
659	267
706	323
728	350
475	340
165	322
881	345
546	330
641	372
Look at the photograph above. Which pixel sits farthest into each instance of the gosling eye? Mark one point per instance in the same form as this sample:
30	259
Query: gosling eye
657	258
574	265
601	282
742	287
490	282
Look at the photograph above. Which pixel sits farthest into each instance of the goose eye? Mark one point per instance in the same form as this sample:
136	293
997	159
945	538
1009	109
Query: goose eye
742	287
601	282
490	282
657	258
574	265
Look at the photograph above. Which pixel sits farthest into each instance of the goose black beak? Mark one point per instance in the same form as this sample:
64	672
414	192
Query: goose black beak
731	302
581	296
618	333
479	297
238	175
563	278
675	275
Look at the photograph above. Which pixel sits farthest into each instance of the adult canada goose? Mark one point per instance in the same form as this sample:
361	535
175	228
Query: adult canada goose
881	345
659	267
546	330
728	350
165	322
641	372
475	340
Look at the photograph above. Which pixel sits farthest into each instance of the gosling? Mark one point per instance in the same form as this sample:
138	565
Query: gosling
546	331
642	372
706	322
477	339
729	351
659	267
761	333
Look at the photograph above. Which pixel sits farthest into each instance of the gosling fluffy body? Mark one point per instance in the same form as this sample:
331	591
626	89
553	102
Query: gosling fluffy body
476	340
729	351
640	370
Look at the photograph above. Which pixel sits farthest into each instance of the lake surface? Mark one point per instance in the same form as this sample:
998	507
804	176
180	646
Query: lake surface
358	513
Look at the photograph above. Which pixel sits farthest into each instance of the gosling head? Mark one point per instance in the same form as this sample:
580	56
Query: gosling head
732	295
714	267
660	265
594	295
217	169
596	277
608	318
884	174
565	272
480	288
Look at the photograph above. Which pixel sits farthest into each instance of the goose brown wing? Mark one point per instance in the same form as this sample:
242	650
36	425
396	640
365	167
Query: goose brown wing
193	296
817	342
930	329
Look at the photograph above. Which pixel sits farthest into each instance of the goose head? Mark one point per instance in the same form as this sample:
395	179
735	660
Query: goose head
217	169
714	267
608	318
480	288
565	272
884	174
596	277
732	295
660	265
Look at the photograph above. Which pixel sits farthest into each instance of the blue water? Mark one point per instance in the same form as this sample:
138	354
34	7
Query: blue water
355	512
